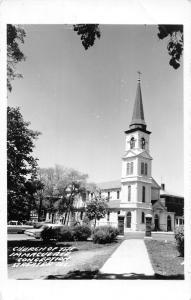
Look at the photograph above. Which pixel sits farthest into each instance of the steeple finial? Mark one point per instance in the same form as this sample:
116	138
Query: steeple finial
139	75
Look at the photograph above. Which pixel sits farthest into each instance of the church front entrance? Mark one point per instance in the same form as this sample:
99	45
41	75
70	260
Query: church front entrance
128	222
156	223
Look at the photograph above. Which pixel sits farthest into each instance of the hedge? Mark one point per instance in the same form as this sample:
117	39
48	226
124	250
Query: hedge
179	236
105	234
66	233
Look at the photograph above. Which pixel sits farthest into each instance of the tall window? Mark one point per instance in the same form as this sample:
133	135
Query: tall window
142	169
129	193
132	143
128	168
117	194
143	194
131	167
143	217
145	169
143	143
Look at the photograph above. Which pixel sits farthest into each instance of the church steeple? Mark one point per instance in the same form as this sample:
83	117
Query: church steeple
138	120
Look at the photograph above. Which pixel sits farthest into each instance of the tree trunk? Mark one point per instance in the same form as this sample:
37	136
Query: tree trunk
68	218
40	209
95	224
65	217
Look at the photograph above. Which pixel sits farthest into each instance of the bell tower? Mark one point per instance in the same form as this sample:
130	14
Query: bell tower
136	179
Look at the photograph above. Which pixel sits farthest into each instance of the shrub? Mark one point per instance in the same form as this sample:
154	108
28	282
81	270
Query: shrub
65	234
179	236
105	234
49	233
81	232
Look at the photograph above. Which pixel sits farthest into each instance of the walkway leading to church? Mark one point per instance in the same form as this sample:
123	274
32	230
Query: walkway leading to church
130	258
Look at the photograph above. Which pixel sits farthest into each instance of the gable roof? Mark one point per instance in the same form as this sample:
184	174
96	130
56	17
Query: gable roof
159	205
137	152
155	184
116	185
109	185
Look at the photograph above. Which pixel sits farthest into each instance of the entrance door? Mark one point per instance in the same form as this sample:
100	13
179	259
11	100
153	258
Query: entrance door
169	223
129	219
156	222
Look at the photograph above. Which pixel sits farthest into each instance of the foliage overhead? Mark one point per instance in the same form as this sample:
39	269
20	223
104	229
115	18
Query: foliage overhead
88	33
21	165
175	43
15	36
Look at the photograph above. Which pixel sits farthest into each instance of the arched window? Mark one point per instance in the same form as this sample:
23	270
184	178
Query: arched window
128	169
142	168
143	217
143	194
145	169
129	193
131	167
132	143
143	143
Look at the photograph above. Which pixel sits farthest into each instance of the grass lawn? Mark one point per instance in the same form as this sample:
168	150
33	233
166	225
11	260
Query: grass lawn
165	259
84	263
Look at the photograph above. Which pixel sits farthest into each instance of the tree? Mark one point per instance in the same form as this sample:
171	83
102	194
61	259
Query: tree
175	43
62	188
21	165
34	191
96	209
47	197
15	36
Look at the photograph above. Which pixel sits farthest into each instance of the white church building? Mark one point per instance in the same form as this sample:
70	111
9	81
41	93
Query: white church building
137	193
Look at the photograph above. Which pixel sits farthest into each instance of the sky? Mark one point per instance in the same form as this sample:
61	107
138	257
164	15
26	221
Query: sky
82	100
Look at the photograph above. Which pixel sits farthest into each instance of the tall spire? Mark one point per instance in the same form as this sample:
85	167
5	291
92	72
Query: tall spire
138	120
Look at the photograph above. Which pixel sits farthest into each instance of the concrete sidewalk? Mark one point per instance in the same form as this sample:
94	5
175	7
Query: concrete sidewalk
131	257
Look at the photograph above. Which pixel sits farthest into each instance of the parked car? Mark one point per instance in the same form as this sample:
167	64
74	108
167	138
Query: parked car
17	227
36	232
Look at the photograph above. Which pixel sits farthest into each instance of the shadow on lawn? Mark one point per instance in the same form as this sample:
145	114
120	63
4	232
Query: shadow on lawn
96	275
